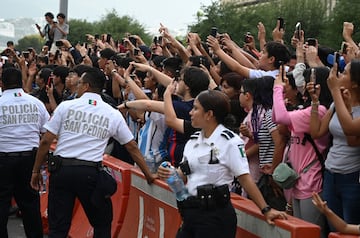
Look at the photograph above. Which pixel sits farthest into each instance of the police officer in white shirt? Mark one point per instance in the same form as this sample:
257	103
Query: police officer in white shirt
21	121
212	157
83	127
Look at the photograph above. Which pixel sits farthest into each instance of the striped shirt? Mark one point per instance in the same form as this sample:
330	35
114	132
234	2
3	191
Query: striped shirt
266	143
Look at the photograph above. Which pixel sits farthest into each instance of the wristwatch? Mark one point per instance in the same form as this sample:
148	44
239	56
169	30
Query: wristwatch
265	209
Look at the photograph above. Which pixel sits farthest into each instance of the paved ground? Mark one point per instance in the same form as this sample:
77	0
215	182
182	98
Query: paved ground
15	228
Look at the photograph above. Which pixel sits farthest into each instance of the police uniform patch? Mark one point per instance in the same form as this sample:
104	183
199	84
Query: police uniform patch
242	151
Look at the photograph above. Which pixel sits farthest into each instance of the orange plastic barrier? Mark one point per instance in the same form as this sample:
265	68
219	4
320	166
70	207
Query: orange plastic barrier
339	235
153	209
251	223
80	226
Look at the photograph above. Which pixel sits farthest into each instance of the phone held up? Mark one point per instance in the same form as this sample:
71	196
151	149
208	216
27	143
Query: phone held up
214	31
311	41
282	23
343	48
298	30
337	61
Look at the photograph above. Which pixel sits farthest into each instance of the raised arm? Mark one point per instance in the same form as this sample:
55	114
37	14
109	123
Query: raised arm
171	119
228	60
280	114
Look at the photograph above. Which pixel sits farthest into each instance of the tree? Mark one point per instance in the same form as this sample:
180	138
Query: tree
111	23
237	20
34	41
344	10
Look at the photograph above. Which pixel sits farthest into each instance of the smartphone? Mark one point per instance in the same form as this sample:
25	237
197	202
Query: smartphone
50	80
160	40
247	37
337	61
298	30
313	75
177	75
59	43
57	53
282	68
108	38
136	51
213	31
132	40
96	36
311	41
282	23
26	54
155	40
343	48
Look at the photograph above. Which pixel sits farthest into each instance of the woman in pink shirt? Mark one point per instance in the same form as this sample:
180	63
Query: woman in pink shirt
301	153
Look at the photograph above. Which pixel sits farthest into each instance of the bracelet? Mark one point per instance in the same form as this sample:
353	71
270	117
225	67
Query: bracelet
315	103
265	209
314	110
35	172
126	105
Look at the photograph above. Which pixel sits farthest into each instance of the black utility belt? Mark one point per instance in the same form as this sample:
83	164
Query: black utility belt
19	153
55	162
77	162
208	197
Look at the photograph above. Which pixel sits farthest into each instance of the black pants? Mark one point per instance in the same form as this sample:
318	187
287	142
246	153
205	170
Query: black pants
15	176
198	223
65	185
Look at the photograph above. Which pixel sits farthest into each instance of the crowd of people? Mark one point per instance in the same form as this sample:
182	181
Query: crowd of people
224	115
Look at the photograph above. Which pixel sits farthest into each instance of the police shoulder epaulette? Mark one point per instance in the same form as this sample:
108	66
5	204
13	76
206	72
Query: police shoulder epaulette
227	134
195	135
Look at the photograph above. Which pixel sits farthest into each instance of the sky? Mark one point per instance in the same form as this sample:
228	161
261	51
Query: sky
176	15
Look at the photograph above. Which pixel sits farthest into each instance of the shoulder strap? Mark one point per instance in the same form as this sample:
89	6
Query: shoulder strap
307	137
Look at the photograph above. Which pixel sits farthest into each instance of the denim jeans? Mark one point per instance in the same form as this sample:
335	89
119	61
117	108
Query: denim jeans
342	193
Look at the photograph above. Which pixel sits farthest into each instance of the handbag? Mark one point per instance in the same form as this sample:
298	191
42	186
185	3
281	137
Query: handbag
285	176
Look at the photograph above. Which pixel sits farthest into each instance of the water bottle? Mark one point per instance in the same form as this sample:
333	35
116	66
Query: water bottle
44	177
176	183
151	163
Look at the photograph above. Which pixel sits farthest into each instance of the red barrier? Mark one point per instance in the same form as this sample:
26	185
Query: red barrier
153	209
80	226
340	235
251	223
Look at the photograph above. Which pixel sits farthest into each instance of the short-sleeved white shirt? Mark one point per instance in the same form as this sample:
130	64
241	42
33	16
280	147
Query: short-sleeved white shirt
227	148
22	118
84	126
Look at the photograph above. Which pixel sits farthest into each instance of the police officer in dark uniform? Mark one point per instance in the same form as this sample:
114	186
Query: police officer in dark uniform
212	157
21	121
83	127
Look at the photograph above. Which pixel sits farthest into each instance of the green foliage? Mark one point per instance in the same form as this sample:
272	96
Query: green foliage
111	23
316	20
34	41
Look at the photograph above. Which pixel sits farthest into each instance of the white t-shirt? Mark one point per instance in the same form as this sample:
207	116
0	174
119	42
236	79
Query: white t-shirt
22	118
84	126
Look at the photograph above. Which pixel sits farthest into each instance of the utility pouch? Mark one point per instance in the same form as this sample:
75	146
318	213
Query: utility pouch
206	196
185	168
54	163
222	195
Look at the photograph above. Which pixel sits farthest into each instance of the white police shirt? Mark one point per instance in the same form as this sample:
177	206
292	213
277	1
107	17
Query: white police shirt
84	125
22	118
226	151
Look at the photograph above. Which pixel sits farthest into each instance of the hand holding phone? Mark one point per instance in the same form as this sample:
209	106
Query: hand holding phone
313	76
